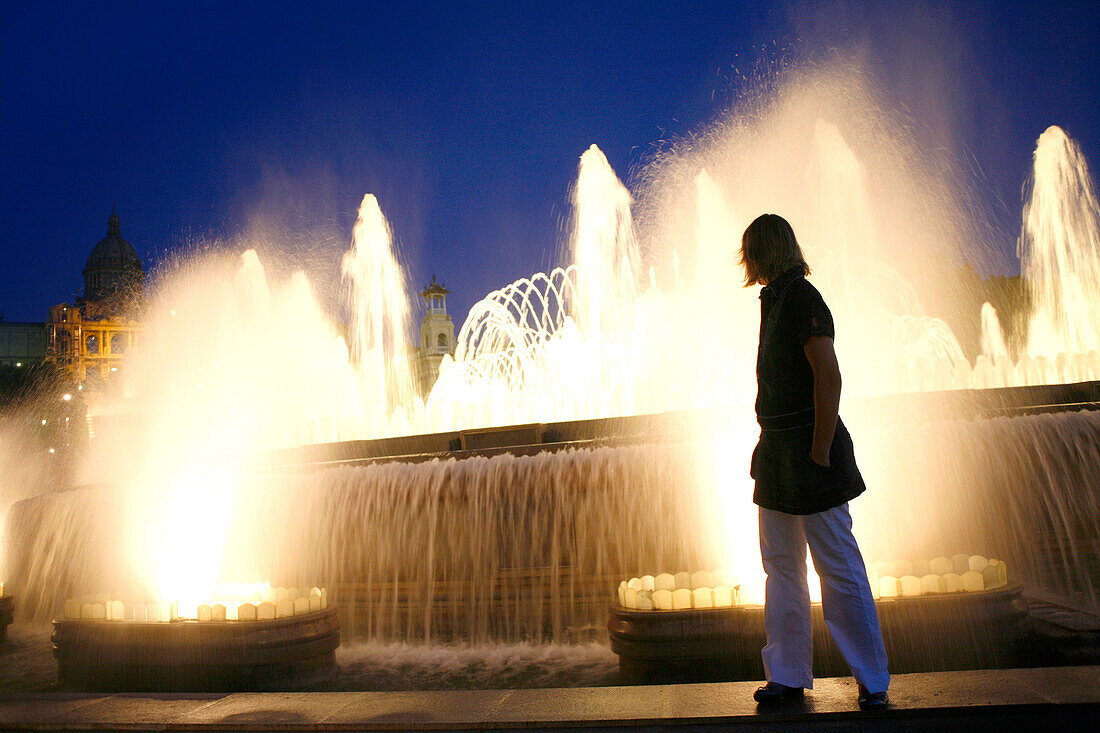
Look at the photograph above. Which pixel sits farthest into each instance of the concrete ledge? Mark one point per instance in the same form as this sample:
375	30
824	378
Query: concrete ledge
672	426
1066	697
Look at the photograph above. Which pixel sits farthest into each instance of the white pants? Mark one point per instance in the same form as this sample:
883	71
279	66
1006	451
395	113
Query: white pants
846	598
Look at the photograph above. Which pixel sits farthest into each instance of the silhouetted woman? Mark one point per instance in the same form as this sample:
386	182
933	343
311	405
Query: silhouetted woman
805	472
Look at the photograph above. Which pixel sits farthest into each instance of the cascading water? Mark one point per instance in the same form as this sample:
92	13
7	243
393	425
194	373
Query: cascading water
529	548
1023	488
504	548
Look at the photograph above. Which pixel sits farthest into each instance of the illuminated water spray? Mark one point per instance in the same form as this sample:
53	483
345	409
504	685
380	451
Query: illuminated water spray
380	308
1060	250
235	363
232	364
605	250
555	347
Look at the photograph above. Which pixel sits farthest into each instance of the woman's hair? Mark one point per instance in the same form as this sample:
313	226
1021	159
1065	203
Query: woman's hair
768	249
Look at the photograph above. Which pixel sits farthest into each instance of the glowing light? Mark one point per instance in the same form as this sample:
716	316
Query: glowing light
975	574
229	602
186	538
66	397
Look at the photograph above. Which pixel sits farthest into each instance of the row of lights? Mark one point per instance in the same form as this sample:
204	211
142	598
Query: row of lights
957	574
680	591
279	603
718	589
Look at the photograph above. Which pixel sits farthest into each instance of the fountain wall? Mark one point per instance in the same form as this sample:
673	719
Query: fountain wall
532	547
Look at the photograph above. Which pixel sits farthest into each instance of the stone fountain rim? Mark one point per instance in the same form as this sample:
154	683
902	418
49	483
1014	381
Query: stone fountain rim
669	427
180	622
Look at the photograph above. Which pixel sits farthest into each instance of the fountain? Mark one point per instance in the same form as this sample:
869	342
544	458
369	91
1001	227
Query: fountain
285	638
630	373
939	614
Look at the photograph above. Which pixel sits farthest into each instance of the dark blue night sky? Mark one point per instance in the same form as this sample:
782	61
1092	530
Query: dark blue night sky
200	120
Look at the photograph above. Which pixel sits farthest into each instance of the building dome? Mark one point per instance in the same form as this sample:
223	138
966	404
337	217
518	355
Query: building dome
112	266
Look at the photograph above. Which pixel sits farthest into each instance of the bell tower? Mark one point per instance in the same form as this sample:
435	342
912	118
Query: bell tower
437	335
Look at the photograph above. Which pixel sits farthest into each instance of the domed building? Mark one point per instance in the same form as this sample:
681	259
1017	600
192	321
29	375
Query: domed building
113	267
89	338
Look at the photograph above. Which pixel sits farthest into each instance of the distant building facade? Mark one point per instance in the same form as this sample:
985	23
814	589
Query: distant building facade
21	344
437	336
90	337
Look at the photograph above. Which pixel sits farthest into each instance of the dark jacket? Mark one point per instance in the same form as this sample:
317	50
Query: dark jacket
787	480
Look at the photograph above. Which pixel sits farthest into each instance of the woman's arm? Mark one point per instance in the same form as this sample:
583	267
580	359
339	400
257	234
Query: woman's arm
819	351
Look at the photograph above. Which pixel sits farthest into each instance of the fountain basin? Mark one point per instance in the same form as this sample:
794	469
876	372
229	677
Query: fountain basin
936	632
7	613
184	656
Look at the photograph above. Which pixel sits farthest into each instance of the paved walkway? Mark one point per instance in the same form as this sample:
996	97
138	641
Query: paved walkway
1054	698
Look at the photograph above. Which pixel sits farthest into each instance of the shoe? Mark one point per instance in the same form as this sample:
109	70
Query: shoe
774	692
872	700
